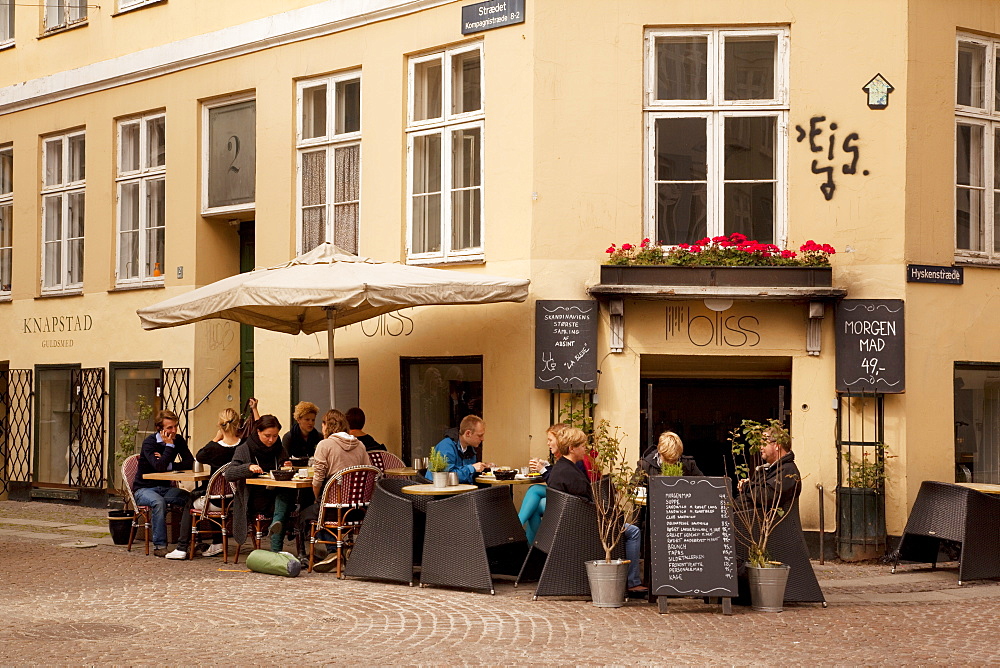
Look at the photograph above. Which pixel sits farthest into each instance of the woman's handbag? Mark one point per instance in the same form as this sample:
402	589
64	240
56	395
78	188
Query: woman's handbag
246	424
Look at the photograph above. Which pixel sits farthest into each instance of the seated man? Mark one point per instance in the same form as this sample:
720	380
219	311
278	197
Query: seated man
776	482
460	449
566	477
356	421
158	453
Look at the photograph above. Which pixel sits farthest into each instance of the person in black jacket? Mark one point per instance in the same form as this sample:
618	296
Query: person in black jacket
669	450
260	453
356	421
300	441
166	450
776	482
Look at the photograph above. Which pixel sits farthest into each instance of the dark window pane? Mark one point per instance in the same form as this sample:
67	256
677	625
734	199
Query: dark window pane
750	147
749	209
682	68
750	67
680	149
968	155
681	213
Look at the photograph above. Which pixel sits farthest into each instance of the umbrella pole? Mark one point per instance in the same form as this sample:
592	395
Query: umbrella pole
331	360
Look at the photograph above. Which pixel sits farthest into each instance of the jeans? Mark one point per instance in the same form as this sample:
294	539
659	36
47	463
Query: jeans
283	504
157	499
633	544
532	509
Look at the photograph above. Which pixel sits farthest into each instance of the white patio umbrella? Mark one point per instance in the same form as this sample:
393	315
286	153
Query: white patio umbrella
328	288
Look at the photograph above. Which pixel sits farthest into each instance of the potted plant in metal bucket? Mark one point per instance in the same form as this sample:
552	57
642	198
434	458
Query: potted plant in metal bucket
437	464
614	493
861	532
763	495
129	430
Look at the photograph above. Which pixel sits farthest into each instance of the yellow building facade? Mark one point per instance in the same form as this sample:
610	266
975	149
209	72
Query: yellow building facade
153	147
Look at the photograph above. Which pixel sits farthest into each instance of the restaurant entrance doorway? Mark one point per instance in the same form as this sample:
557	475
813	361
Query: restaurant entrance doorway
702	411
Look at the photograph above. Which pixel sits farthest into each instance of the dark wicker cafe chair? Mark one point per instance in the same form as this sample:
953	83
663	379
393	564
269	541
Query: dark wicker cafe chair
142	513
470	535
216	511
389	544
346	497
566	538
383	460
945	511
788	545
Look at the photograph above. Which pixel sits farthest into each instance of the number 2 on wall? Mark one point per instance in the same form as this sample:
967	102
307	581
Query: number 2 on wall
233	146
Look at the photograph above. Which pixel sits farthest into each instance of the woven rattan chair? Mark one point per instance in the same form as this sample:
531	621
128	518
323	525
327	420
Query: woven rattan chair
788	545
383	460
391	541
218	493
469	536
346	497
566	538
142	513
945	511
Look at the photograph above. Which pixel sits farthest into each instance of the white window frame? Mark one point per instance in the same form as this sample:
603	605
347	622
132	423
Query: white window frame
7	200
6	23
328	144
64	189
244	211
142	177
444	125
986	117
128	5
73	12
715	109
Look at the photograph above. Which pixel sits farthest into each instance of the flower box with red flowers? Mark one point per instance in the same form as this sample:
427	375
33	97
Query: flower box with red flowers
720	261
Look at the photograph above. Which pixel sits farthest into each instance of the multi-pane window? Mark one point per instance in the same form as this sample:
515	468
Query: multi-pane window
445	154
64	13
131	4
63	185
6	22
977	149
6	216
329	161
141	181
716	109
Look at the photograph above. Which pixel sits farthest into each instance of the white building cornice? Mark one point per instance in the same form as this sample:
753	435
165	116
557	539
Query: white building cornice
325	18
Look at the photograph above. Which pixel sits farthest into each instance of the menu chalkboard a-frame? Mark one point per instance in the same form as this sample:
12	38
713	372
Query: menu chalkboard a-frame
692	552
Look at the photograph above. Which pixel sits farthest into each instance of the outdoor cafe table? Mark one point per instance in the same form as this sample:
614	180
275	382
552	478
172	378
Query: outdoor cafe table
430	490
985	487
178	476
294	483
492	480
404	472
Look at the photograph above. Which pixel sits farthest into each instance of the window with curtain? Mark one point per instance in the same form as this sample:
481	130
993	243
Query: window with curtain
445	155
6	217
63	188
977	151
716	108
141	187
329	161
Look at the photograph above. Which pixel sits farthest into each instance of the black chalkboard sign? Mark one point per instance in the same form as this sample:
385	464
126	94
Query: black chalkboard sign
691	537
566	344
870	346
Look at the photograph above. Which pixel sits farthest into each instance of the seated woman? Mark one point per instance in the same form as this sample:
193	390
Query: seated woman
533	505
260	453
566	477
300	441
216	453
669	450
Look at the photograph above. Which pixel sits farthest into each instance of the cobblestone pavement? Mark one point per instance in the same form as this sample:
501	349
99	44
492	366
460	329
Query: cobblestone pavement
103	605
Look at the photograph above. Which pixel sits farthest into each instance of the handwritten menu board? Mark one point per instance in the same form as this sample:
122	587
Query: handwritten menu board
691	537
566	344
871	346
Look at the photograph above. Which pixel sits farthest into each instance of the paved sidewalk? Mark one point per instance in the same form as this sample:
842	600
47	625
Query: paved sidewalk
103	605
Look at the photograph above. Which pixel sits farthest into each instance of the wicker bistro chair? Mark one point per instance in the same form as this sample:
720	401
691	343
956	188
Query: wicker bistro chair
142	513
566	538
469	536
218	493
945	511
390	543
788	545
346	497
383	460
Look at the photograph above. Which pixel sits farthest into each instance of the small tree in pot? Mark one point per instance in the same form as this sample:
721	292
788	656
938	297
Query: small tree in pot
437	464
129	430
764	495
614	493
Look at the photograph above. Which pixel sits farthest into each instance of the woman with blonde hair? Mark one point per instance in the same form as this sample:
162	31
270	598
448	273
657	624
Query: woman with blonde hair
669	450
301	440
533	505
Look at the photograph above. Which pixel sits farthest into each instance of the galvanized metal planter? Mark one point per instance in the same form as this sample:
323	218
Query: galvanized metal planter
805	277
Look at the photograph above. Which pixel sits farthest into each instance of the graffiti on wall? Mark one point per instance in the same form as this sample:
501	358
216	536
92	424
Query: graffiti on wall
845	155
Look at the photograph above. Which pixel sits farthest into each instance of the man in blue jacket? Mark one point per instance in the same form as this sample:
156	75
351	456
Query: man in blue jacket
460	449
159	451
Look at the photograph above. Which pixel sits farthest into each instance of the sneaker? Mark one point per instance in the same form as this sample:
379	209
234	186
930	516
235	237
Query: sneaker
214	549
160	551
176	554
275	529
327	564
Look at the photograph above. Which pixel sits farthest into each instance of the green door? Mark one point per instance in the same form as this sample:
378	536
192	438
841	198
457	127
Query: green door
247	260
